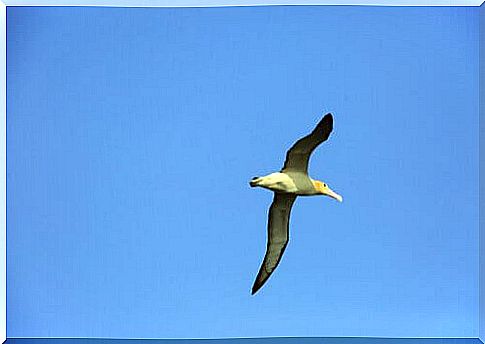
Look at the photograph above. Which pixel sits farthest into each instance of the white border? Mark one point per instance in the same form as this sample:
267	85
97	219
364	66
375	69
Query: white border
3	172
228	3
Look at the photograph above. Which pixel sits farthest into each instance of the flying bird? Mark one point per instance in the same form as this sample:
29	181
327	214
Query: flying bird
290	182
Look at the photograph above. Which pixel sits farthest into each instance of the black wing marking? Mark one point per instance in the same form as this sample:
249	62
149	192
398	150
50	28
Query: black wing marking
278	229
298	155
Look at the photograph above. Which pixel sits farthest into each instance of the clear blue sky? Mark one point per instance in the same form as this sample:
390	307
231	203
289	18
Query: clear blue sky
132	134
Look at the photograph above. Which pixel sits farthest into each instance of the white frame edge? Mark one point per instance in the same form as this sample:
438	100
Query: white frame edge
3	174
234	3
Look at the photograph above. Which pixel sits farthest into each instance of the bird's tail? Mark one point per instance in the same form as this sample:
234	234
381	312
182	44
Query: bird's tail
254	182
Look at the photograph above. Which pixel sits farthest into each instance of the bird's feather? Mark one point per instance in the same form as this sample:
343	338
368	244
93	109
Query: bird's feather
278	234
298	155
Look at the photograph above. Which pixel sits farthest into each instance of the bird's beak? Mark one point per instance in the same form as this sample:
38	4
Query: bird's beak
333	194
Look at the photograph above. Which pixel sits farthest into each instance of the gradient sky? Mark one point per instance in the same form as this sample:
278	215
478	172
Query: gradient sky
132	134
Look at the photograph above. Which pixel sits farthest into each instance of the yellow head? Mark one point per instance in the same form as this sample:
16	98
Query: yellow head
323	189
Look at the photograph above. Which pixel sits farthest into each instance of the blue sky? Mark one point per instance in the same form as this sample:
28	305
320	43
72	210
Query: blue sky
132	134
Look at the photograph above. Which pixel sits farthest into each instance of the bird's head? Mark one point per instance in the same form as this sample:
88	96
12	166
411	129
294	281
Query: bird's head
323	189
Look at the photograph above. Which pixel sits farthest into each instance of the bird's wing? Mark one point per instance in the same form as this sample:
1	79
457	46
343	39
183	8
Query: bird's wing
298	155
278	222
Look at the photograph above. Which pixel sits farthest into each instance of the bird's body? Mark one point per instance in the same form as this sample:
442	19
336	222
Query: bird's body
297	183
287	184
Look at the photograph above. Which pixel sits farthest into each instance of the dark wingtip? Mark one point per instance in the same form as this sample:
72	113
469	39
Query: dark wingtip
328	120
256	287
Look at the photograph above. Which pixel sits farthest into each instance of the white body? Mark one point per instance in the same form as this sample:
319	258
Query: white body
276	182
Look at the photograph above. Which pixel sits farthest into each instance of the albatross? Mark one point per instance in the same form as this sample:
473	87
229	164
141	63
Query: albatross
290	182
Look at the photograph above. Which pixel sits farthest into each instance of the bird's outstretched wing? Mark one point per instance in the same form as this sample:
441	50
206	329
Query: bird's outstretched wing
278	222
298	155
